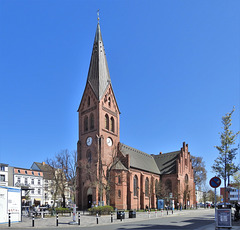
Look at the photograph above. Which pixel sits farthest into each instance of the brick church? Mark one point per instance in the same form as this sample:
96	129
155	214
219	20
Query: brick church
112	173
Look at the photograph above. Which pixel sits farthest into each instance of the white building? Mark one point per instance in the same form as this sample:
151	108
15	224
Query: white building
49	184
3	174
234	195
31	183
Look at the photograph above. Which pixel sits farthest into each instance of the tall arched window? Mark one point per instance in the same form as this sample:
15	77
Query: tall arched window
147	187
91	121
156	187
112	128
135	186
106	122
86	123
186	179
89	156
88	101
168	186
109	102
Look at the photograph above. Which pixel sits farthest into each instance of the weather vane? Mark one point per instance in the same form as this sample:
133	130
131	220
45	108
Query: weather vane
98	15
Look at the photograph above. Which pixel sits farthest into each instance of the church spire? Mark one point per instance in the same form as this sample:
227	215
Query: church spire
98	74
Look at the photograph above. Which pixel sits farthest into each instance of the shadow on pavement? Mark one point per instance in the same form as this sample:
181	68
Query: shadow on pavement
188	224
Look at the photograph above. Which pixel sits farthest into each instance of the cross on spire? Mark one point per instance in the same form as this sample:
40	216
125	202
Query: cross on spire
98	15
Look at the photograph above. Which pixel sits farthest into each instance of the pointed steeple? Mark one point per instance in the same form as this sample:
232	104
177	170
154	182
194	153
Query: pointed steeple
98	74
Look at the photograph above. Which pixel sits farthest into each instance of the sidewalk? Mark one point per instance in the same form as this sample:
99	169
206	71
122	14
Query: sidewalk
85	220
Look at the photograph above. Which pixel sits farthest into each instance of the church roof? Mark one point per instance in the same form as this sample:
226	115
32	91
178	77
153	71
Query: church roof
98	74
139	159
166	162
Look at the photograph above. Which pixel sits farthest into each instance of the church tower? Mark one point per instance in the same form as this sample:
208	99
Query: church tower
98	116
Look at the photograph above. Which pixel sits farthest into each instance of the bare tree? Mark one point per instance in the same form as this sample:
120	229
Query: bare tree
63	167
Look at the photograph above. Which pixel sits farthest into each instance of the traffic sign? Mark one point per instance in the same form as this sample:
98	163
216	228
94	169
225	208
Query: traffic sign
215	182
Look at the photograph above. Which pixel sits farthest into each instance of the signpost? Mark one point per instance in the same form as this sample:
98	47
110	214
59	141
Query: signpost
222	216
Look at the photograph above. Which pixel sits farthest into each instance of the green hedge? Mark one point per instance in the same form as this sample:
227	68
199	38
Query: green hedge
101	210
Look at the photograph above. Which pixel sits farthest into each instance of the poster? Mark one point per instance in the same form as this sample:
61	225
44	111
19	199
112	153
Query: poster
224	218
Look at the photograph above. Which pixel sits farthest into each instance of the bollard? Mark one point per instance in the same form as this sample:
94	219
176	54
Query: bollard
161	212
155	212
172	211
9	219
97	217
148	214
33	220
167	211
121	217
79	218
111	217
57	219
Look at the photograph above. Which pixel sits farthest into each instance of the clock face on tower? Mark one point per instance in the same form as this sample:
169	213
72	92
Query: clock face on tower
109	141
89	141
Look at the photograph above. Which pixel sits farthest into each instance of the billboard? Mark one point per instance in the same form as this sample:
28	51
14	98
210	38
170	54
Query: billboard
10	202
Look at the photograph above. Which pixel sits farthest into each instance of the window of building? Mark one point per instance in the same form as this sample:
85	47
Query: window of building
109	102
39	182
32	191
38	174
89	156
135	185
19	180
89	101
86	123
91	121
18	170
106	122
168	186
2	168
32	181
186	179
25	172
147	187
119	193
119	179
39	191
112	128
156	186
26	181
2	178
32	173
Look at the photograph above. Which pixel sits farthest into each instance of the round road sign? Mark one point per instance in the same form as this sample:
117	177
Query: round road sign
215	182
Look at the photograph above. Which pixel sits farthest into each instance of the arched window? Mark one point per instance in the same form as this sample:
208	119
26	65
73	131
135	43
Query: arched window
109	102
119	179
147	187
88	101
168	186
112	125
156	186
135	186
89	156
91	121
86	123
186	179
106	122
119	193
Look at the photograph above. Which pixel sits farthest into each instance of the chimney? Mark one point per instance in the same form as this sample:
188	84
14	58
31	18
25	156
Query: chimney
160	153
43	163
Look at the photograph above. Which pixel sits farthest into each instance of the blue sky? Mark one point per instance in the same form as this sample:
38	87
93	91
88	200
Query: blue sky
174	67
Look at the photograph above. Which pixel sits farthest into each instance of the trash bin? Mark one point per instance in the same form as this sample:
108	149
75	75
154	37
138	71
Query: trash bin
132	214
120	214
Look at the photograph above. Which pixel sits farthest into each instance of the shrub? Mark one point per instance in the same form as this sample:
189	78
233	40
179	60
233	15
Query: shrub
101	210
